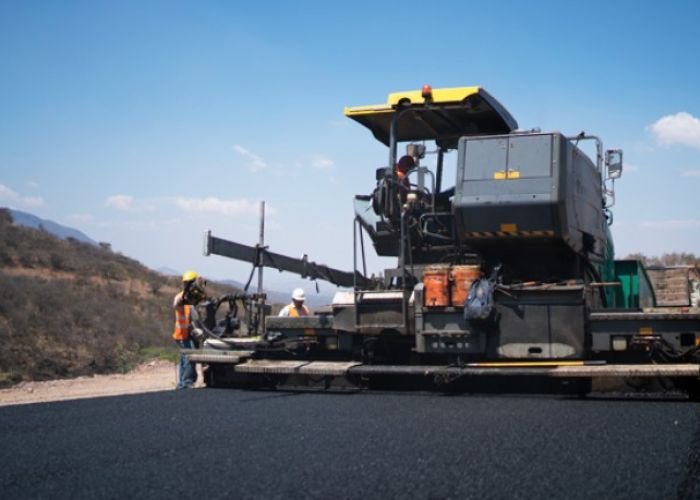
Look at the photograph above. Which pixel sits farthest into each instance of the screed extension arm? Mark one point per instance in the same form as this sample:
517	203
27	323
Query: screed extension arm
263	257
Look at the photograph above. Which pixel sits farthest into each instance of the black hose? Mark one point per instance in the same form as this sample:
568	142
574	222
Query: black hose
199	324
662	351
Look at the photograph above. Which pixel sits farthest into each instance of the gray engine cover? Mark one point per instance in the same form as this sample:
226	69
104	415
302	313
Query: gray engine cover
537	193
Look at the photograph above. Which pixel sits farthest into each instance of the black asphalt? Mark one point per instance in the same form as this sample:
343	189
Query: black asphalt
236	444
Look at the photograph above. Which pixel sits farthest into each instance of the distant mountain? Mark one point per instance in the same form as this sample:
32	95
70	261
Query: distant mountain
26	219
167	271
275	297
235	284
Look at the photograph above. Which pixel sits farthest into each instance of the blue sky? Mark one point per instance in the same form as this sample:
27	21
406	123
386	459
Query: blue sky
146	123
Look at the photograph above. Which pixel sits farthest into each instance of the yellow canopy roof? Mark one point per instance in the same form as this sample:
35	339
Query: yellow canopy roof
449	115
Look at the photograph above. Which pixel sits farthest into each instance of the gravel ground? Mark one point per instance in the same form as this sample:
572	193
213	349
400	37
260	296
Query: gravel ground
148	377
238	444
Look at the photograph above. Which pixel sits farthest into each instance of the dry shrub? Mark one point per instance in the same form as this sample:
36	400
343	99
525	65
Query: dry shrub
104	311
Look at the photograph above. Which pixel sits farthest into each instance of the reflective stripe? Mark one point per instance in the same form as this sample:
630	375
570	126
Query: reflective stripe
182	322
494	234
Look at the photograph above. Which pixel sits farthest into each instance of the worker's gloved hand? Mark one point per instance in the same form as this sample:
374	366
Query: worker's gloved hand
195	295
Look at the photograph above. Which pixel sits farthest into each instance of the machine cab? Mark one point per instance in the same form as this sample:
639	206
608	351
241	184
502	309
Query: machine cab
428	122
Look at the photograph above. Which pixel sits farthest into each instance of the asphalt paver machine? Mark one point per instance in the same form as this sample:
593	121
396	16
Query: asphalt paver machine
506	269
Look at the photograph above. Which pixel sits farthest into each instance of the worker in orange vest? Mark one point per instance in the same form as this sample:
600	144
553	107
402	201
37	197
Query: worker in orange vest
297	307
191	294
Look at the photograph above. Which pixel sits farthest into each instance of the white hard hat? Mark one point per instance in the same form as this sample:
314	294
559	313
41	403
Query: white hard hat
298	294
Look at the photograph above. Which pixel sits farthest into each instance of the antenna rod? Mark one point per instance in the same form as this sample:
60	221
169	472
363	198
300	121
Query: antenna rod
261	244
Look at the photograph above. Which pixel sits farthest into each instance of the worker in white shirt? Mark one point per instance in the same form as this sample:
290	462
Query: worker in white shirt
297	307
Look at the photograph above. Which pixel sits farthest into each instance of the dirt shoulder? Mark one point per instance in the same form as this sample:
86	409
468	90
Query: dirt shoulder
149	377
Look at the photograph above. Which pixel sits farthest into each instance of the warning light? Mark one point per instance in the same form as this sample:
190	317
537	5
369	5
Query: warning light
427	92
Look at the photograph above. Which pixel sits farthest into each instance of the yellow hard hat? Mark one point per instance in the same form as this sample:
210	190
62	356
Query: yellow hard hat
189	276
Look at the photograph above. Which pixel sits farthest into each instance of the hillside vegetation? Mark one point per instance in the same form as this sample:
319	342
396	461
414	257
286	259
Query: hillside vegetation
69	308
667	259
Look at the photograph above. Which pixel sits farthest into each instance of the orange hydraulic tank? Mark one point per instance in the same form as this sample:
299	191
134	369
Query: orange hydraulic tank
436	283
462	278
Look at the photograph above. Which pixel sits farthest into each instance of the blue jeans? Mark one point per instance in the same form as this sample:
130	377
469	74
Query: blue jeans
187	373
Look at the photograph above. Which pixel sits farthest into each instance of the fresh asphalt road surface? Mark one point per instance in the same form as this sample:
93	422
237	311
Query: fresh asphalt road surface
237	444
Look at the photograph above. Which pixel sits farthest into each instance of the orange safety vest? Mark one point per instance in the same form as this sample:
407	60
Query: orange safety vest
294	313
182	322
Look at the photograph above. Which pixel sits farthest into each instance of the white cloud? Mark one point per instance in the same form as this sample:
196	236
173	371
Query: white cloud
8	195
217	205
119	201
681	128
33	201
32	184
322	162
695	172
255	162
